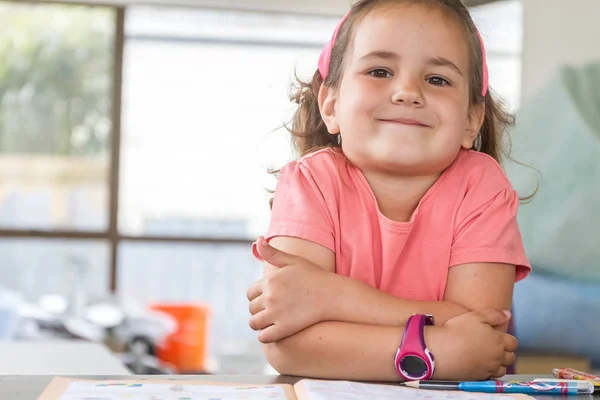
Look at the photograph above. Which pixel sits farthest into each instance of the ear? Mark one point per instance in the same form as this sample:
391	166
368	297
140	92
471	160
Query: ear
474	122
327	106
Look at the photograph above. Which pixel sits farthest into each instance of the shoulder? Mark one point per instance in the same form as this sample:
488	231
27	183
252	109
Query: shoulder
324	167
479	172
476	182
317	161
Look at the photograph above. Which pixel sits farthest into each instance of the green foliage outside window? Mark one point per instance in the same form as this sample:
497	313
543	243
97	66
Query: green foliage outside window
56	65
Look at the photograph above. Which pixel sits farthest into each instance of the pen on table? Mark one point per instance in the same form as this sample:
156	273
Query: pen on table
526	387
596	386
569	373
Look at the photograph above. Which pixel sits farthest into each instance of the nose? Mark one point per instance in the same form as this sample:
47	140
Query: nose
408	93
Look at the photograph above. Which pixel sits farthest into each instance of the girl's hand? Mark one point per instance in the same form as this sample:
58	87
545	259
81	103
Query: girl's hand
288	300
471	349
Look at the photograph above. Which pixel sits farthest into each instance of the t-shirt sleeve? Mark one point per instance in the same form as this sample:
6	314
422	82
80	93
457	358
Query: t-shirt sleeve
487	231
300	208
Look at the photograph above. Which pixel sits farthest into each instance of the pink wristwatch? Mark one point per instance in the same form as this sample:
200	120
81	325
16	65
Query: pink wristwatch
413	360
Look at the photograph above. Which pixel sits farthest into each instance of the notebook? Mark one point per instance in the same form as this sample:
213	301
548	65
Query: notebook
306	389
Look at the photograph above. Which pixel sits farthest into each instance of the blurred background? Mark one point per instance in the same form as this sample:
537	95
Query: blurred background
135	139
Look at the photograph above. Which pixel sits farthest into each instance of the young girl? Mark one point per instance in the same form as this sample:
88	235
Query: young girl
397	206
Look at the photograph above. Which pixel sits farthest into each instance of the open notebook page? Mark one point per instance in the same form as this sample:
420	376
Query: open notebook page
64	389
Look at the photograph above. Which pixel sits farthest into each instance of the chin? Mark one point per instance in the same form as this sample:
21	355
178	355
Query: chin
411	164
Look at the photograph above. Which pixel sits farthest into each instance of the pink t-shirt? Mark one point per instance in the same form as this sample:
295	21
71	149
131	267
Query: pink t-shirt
467	216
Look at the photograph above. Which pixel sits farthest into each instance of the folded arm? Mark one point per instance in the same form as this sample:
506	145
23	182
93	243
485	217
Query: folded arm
355	301
466	349
338	350
469	287
364	350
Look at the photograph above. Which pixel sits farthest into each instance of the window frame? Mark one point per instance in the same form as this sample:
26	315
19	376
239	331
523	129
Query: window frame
111	234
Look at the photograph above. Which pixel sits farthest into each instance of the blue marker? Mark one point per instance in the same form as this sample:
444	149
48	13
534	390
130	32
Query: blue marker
524	387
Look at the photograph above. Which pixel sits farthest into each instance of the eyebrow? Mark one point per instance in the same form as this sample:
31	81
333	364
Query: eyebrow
388	55
444	62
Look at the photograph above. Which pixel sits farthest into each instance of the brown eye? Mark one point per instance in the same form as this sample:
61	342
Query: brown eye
437	81
380	73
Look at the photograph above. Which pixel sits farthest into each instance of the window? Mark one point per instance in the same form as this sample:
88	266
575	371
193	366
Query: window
501	26
55	115
204	100
37	267
204	96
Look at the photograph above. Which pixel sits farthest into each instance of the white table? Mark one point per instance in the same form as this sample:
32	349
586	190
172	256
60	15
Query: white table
58	358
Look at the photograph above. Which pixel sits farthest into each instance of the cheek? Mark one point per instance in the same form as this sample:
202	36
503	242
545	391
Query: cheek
359	96
456	111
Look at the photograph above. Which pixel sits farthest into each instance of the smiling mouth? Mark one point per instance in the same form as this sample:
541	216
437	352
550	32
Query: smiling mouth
405	121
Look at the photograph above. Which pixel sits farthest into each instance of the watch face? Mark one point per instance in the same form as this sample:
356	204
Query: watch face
413	366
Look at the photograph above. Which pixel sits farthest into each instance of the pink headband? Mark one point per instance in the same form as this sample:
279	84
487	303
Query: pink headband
325	56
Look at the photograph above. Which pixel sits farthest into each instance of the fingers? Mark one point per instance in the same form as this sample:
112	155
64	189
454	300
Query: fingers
270	334
256	306
272	255
254	290
499	373
508	359
510	342
494	317
260	320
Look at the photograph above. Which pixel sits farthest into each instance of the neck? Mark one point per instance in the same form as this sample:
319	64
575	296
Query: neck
398	197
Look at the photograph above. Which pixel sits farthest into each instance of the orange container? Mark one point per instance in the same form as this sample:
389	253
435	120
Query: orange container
186	348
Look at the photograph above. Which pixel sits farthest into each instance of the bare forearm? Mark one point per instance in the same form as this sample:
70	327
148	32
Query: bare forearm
341	350
355	301
338	350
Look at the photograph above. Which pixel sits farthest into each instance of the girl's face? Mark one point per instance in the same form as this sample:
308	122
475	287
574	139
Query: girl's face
403	103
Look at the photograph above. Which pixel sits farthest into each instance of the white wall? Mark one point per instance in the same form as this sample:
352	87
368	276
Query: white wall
557	32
